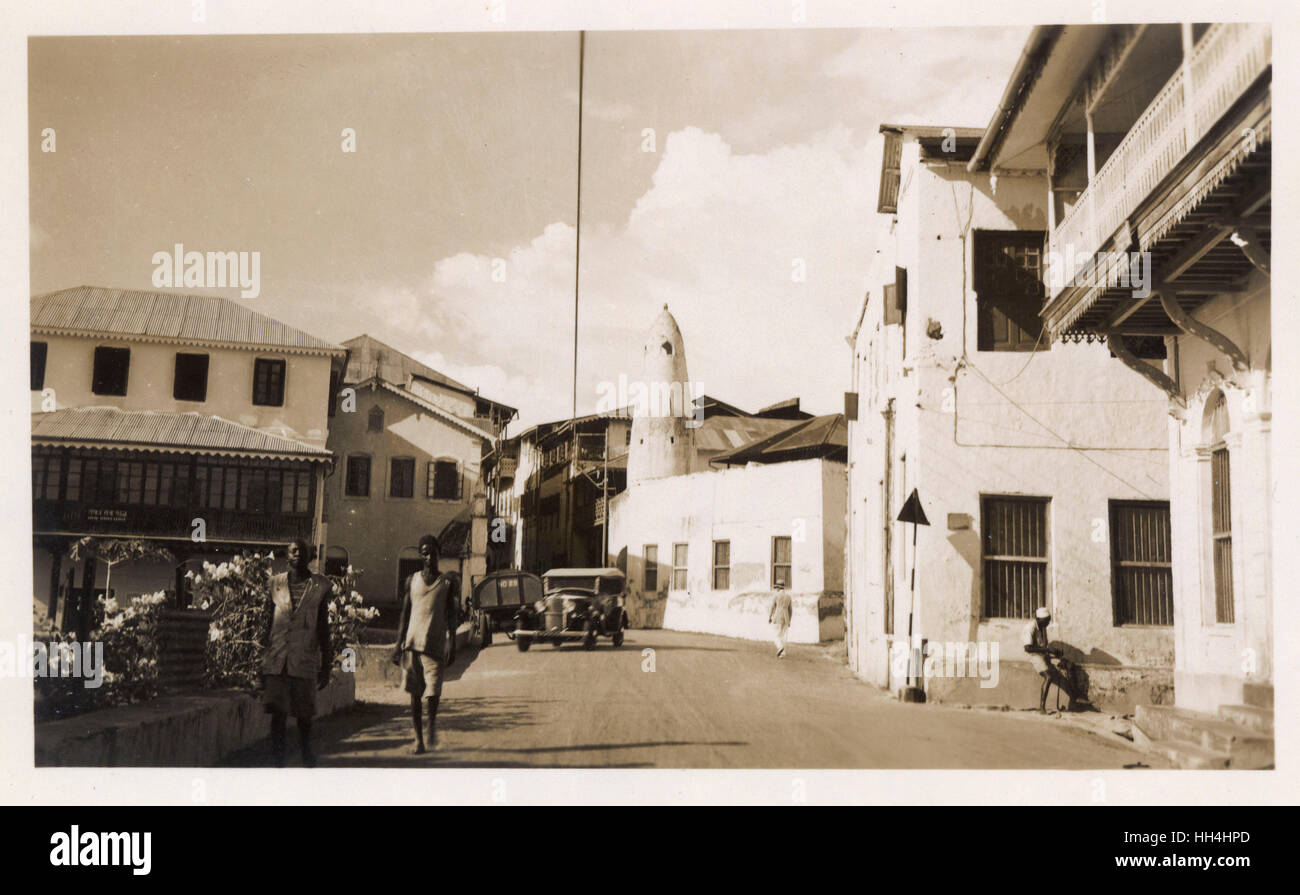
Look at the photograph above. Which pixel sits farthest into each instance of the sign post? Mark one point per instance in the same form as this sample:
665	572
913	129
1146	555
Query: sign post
913	512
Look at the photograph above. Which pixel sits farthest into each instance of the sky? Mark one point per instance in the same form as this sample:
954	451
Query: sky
715	164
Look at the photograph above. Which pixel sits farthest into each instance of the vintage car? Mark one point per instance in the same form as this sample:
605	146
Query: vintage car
579	604
496	599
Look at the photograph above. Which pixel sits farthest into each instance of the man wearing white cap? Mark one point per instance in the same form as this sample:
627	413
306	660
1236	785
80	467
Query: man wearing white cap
1041	655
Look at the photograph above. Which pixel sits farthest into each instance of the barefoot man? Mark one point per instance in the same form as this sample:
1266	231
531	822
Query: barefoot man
421	636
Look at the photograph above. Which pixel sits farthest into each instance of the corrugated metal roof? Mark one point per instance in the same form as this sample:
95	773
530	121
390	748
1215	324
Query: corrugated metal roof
724	433
147	428
822	436
167	315
369	358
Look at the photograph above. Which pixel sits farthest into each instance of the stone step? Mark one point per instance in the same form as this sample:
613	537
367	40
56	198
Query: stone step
1246	747
1260	695
1182	754
1250	716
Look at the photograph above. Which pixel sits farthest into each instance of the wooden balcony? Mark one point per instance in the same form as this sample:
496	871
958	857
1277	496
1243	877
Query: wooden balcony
66	517
1222	66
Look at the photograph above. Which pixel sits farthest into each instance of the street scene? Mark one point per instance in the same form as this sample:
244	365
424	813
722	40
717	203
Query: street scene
569	707
830	398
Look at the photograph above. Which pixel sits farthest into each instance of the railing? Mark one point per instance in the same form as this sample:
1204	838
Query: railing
1226	61
175	522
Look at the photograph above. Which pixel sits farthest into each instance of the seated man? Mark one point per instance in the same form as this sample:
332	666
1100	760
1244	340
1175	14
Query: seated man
1041	656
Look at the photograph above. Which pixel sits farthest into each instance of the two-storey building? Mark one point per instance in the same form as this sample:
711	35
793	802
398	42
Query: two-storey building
1153	142
410	443
188	420
1033	460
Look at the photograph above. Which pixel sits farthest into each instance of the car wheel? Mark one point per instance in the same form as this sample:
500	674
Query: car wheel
522	643
618	638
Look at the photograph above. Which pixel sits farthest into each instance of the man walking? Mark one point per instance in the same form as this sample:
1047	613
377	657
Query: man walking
298	655
779	615
421	636
1041	656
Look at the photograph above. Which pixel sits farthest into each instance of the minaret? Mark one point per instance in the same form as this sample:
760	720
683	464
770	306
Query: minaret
662	445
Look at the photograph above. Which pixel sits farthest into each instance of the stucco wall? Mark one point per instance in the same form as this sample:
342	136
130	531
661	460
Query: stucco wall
1212	658
69	366
375	529
1069	423
747	506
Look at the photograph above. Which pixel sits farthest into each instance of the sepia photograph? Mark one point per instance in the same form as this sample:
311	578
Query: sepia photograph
516	397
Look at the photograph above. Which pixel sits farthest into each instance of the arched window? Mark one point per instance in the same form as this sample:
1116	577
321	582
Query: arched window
376	421
336	561
1214	429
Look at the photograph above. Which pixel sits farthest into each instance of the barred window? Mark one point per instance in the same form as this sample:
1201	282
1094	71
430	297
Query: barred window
1015	555
1142	572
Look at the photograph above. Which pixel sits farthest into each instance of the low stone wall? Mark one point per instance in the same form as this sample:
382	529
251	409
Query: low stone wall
190	730
1118	689
815	617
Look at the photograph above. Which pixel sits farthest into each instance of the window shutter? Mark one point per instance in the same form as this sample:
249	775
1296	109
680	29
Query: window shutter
891	158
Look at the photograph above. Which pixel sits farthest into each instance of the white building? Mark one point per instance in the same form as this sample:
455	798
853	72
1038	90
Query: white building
705	535
1155	139
1031	458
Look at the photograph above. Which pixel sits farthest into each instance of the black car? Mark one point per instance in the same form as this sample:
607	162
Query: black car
579	604
496	600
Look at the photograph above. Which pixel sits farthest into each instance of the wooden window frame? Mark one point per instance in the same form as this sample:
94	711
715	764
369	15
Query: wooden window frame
177	379
989	308
347	476
392	478
1149	613
990	561
788	565
99	377
683	568
724	568
650	572
260	399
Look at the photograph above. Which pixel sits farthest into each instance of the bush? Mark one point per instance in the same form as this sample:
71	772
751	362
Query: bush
129	638
238	594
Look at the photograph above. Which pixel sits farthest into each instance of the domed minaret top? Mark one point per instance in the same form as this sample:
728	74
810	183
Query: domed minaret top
662	445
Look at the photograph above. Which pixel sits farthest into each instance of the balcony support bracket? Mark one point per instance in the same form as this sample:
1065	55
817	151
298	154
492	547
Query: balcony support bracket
1158	378
1245	239
1202	331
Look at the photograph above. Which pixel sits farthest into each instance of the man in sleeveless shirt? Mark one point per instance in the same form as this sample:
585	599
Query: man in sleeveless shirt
421	636
298	655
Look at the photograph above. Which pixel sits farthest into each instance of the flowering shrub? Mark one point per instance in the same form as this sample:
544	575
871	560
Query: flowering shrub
348	612
238	594
129	635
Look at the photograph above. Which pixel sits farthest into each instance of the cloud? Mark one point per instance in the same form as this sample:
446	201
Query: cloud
720	237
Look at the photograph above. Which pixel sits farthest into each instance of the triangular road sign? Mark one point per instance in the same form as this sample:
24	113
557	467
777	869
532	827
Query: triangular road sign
912	511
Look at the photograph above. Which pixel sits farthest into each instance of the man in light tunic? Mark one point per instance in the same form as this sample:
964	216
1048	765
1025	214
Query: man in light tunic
421	638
